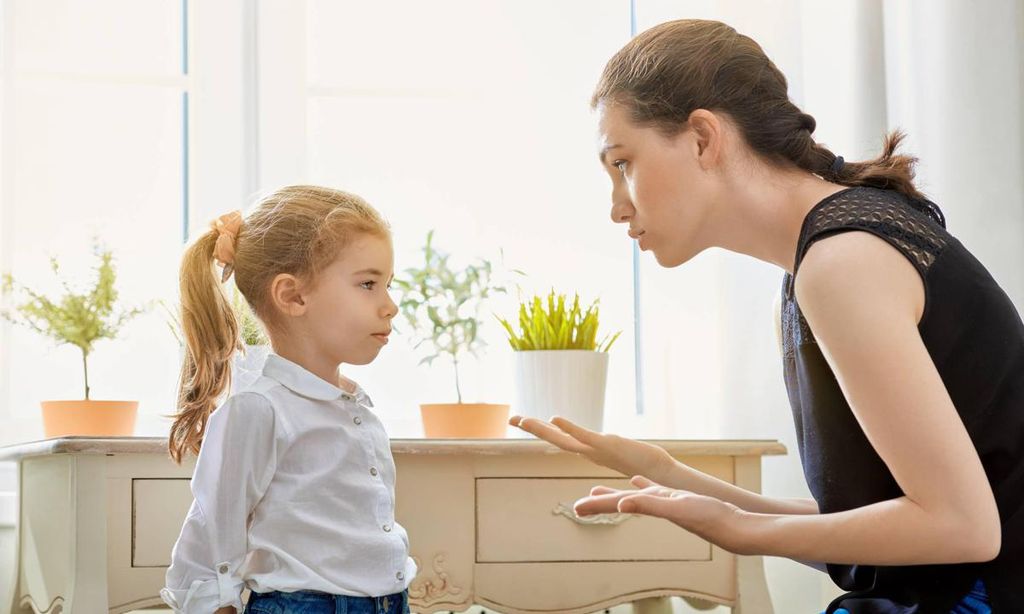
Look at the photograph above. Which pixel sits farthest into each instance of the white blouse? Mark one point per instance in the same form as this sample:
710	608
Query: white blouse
294	490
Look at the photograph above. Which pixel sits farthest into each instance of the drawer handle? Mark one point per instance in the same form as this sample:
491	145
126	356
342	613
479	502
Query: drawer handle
599	519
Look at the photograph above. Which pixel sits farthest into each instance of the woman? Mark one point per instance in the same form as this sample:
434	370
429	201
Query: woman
903	359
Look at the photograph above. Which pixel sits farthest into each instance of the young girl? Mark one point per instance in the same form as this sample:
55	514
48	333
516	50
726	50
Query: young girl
294	483
903	358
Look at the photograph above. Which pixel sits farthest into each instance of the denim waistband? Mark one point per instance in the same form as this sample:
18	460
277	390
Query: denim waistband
394	603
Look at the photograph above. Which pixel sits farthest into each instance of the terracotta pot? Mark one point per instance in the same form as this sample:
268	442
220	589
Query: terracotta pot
464	420
92	418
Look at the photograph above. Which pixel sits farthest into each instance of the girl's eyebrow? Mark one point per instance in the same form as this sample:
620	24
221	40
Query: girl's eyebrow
372	272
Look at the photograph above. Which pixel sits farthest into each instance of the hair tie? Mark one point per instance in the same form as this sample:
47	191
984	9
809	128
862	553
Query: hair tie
837	165
227	227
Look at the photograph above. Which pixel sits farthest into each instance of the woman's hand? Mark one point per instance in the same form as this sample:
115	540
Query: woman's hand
713	520
627	456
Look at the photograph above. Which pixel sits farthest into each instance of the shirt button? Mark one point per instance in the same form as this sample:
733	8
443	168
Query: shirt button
357	420
373	471
387	528
223	569
400	576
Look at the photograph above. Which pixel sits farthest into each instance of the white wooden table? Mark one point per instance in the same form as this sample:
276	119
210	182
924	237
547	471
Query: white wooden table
490	523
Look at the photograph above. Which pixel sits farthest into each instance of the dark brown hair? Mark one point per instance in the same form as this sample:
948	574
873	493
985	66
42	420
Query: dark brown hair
674	68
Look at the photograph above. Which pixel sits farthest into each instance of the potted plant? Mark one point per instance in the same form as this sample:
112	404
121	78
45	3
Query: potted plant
561	368
442	305
79	319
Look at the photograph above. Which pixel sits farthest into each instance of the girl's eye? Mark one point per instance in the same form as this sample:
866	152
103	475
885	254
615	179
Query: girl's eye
368	284
621	165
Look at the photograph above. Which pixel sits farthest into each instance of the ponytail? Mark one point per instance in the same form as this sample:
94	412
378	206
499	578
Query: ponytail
211	334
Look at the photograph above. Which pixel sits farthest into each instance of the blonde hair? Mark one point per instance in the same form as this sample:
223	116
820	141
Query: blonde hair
298	230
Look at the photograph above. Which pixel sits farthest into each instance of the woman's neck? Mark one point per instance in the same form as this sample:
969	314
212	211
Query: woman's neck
764	214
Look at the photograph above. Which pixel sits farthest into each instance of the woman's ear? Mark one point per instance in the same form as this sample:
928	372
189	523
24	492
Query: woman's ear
286	295
709	132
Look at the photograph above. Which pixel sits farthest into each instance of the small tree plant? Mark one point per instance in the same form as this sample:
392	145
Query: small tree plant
442	304
79	319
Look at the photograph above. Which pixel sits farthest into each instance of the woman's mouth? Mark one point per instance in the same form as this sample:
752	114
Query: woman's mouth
639	236
382	337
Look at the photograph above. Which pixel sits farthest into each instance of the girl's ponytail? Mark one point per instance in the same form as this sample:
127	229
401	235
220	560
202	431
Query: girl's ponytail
211	334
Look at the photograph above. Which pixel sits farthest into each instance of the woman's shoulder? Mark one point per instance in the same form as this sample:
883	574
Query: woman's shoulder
854	272
914	228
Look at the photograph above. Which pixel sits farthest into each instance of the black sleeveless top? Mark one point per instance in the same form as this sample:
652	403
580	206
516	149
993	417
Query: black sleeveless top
976	339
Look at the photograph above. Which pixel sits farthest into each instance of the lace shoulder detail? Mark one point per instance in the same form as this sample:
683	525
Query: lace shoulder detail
915	228
917	232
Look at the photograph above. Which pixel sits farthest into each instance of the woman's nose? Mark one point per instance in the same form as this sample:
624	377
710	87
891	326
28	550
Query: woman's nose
622	208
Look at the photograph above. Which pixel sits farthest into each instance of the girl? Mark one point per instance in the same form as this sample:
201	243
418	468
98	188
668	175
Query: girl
294	483
903	358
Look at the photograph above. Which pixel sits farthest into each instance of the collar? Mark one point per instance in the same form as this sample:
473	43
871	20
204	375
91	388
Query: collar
300	381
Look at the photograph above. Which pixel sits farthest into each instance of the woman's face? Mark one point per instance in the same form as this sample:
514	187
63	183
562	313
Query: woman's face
661	187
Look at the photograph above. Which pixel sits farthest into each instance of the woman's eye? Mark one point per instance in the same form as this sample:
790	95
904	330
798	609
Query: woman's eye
368	284
621	165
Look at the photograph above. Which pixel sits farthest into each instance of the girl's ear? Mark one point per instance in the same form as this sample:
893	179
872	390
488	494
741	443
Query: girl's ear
286	295
709	133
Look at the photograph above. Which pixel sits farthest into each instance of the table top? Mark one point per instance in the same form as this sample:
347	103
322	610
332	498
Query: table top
510	446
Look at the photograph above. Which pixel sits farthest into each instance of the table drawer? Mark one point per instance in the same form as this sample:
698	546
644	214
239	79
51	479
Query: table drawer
159	507
522	520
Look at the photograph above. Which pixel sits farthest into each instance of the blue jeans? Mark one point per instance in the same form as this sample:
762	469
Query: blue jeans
312	602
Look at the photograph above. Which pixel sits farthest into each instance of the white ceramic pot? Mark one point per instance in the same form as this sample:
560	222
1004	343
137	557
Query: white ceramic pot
567	383
246	368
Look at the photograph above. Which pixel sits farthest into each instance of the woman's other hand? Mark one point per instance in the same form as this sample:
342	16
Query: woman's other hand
711	519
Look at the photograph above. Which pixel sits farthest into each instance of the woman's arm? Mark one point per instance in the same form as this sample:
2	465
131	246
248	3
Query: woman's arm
863	301
630	457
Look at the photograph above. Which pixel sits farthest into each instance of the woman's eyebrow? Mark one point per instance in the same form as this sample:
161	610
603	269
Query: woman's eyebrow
370	272
605	150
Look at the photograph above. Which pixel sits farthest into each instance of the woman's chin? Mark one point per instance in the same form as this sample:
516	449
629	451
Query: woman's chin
670	260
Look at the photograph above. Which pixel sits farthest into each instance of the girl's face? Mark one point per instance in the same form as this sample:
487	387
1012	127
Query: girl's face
349	311
659	186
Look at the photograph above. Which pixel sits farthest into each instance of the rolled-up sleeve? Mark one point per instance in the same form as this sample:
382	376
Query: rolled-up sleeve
235	466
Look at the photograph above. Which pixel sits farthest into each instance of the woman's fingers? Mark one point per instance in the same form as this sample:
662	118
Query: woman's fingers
605	500
600	504
574	430
641	482
544	430
658	505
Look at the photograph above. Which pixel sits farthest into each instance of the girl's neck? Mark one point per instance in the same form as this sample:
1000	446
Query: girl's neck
324	368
